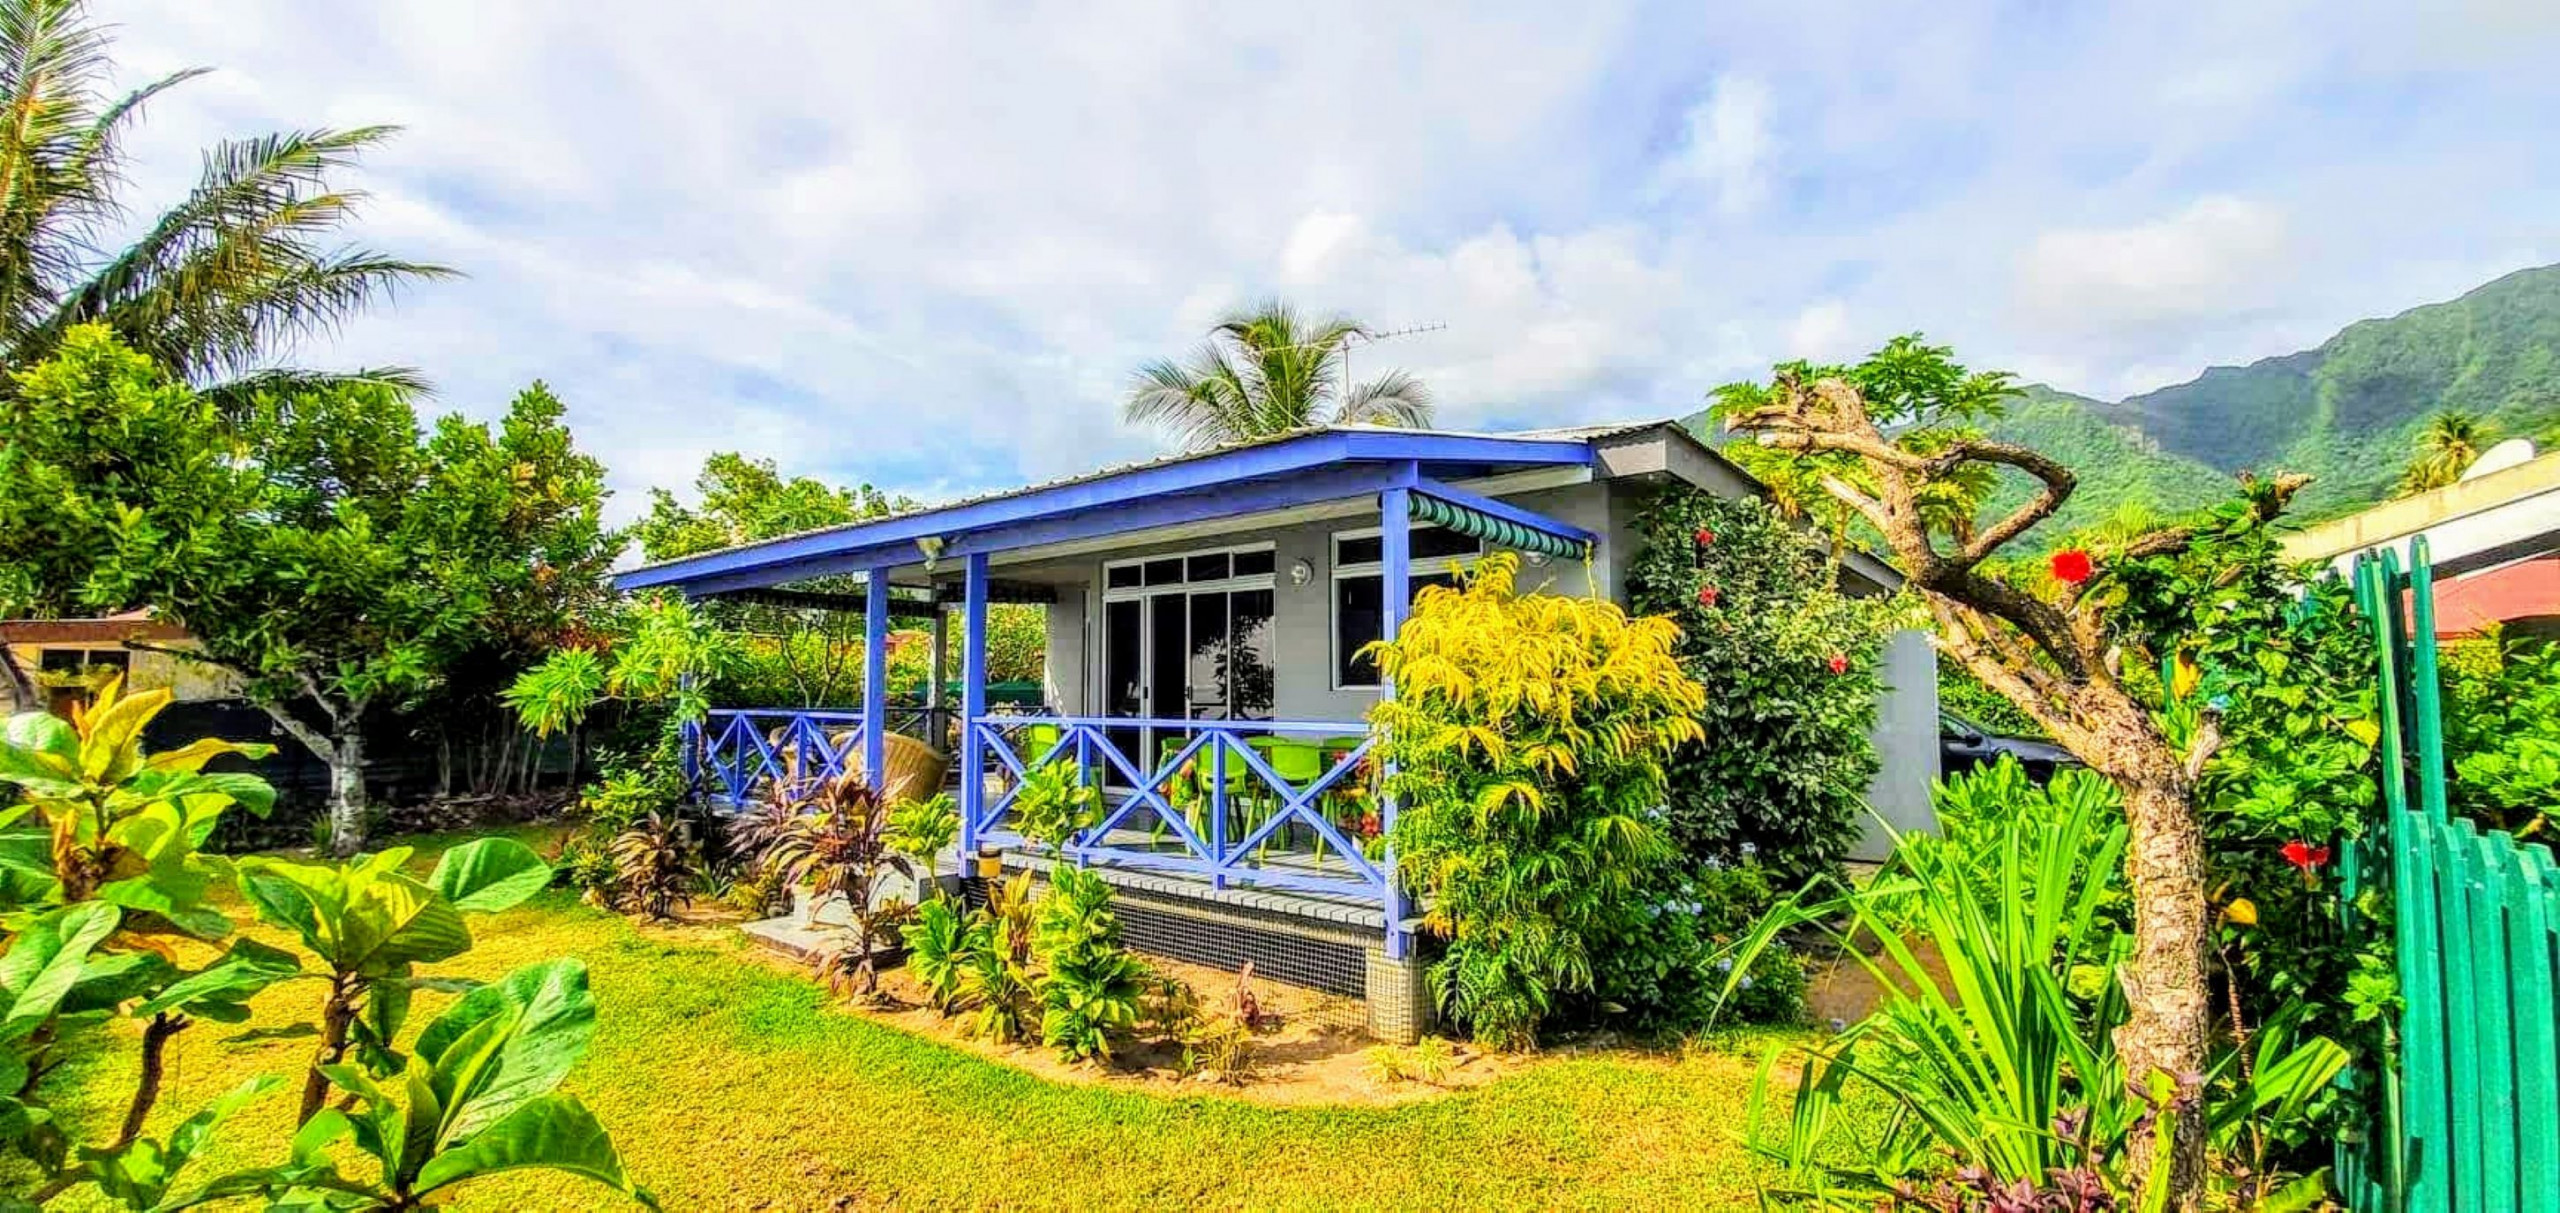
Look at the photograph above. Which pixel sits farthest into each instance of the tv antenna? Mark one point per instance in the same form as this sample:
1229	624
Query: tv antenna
1374	338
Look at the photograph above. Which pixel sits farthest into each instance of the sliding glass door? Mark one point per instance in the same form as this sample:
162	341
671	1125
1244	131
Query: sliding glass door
1186	638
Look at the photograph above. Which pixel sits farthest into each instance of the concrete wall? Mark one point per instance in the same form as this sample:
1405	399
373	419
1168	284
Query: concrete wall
1906	737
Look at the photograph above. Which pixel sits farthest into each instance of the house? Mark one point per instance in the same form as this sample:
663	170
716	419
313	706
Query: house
1206	615
52	662
2493	536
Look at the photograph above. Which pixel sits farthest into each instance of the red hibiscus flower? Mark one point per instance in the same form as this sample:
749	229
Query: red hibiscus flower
1708	594
2305	856
2072	566
1705	536
1839	664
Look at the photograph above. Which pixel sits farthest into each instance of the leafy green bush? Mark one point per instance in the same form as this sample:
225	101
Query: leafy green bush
114	865
1089	984
1529	737
1998	1077
2502	733
1789	663
1667	963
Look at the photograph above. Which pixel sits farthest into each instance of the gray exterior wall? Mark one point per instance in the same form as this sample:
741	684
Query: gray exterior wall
1302	615
1906	733
1906	737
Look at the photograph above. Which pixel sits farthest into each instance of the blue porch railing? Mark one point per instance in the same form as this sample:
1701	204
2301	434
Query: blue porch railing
1213	799
740	753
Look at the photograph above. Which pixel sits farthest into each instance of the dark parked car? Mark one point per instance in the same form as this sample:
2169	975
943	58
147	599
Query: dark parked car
1964	745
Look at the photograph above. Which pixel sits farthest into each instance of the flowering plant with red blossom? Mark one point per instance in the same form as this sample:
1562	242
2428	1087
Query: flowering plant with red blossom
1704	536
1708	594
1839	663
2071	566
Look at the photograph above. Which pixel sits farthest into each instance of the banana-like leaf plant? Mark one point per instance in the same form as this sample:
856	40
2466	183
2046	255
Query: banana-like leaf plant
472	1099
371	924
120	825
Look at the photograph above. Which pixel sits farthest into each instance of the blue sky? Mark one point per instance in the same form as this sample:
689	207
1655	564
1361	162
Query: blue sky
925	245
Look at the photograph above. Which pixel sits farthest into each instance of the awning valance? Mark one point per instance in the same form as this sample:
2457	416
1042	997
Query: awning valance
1517	534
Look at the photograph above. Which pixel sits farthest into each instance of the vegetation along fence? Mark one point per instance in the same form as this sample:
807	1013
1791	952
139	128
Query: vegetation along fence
2471	1105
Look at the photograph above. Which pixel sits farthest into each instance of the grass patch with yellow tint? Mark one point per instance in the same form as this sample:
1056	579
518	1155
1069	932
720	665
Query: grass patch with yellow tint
728	1085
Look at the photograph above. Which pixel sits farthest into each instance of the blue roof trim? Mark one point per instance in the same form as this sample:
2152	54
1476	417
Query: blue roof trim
891	541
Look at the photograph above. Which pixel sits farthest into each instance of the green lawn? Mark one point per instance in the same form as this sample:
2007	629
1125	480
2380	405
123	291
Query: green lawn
728	1085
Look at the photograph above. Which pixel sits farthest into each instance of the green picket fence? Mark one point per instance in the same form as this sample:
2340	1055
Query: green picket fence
2470	1111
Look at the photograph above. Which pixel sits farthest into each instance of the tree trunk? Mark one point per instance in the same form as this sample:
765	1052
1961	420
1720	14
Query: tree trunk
2170	1016
342	749
346	794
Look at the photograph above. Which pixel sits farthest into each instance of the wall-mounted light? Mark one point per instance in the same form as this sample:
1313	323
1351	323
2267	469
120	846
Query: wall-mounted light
1301	572
1537	560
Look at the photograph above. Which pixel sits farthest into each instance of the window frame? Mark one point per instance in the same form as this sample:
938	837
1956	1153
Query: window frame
1338	572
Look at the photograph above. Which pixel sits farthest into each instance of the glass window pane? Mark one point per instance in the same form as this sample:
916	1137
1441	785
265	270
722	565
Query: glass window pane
1120	576
1250	681
1364	550
1358	612
1435	543
1165	572
1253	564
1208	568
1206	694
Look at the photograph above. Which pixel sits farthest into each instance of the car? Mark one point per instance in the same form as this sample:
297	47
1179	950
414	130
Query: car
1964	745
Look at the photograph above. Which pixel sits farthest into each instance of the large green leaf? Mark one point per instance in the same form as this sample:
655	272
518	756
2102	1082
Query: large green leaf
554	1132
219	990
45	961
301	898
26	860
111	744
41	754
139	1174
507	1043
109	980
395	920
489	875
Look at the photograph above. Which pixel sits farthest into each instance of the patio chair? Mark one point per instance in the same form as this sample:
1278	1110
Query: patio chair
912	769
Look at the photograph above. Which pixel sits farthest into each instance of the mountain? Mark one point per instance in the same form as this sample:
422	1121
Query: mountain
2347	411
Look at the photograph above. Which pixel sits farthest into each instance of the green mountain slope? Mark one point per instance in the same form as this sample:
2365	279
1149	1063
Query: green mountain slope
2348	411
2118	466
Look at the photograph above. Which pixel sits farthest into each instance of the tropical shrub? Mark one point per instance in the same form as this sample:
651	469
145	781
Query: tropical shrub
654	868
1529	737
838	847
114	864
1782	771
473	1099
2502	733
370	924
1055	804
1998	1078
922	829
1666	963
1089	984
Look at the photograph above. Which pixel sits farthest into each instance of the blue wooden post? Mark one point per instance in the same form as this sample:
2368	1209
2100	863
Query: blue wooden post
1395	555
1218	811
973	704
875	679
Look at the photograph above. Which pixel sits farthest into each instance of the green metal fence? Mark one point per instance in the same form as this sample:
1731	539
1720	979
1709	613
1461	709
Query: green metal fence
2470	1110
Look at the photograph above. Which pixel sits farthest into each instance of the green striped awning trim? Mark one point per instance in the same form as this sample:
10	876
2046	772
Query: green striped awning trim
1501	532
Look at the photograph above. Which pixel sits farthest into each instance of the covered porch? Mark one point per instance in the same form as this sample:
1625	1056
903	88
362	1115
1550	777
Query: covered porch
1204	616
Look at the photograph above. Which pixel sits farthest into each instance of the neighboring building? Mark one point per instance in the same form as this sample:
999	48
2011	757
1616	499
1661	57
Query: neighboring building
1206	615
2494	537
54	661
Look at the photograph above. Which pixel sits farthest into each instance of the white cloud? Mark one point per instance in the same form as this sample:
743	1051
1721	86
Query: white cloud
926	244
1726	144
1821	333
2218	256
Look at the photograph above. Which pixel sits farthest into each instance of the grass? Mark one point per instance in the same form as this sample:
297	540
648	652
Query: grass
728	1085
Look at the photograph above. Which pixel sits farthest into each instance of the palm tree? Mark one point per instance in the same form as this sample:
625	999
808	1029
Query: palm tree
2447	448
240	266
1266	371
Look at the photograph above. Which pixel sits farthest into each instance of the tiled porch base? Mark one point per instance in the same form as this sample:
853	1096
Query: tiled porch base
1331	945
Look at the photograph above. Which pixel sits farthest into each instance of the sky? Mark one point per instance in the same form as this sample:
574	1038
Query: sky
925	246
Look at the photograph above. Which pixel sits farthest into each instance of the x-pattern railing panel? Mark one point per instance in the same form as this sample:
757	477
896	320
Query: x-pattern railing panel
745	747
1215	745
